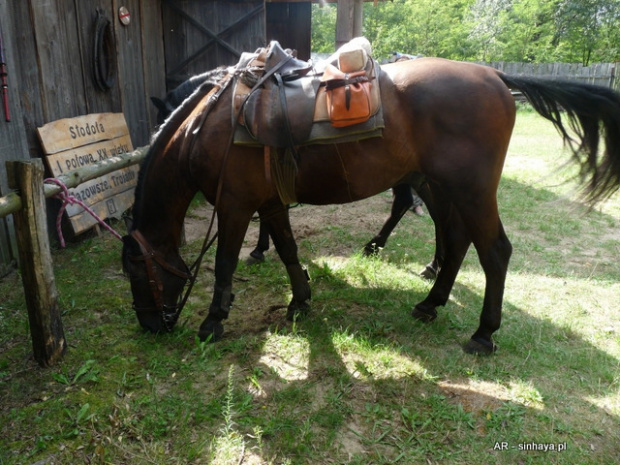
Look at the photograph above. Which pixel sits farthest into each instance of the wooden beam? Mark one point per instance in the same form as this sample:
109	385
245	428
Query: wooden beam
48	339
12	202
321	1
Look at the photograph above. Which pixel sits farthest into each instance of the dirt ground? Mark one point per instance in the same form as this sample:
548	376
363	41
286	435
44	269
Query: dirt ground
306	220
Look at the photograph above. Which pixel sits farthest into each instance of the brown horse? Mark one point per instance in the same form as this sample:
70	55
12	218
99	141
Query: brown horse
450	121
403	198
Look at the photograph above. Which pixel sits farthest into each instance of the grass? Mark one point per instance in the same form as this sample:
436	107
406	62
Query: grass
358	381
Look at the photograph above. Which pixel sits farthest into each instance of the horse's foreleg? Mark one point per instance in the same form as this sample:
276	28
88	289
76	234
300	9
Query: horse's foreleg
276	220
403	200
231	231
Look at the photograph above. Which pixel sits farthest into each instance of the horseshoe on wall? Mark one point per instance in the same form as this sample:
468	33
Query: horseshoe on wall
104	59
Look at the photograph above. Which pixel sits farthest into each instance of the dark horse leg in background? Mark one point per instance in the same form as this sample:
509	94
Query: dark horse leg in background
262	245
403	201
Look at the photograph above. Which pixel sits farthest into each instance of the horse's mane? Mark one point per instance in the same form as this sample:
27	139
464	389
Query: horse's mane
161	137
177	95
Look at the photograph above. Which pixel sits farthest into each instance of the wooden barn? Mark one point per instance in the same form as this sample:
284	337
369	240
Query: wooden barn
67	58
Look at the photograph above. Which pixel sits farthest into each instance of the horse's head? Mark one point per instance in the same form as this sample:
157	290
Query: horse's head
157	283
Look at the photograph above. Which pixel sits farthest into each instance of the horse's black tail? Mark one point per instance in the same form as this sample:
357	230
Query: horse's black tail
592	112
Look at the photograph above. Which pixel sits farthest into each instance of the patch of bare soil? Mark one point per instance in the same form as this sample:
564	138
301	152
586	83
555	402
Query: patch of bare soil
261	309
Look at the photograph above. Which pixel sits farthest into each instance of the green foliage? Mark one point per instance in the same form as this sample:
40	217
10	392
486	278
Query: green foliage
86	373
323	28
485	30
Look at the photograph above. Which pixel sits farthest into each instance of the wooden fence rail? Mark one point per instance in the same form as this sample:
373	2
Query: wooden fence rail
602	74
28	209
12	202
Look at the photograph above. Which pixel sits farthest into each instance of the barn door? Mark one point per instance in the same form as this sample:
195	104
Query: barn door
202	35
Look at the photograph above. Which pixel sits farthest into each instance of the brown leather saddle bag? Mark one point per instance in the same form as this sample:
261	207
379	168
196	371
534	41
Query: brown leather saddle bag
348	96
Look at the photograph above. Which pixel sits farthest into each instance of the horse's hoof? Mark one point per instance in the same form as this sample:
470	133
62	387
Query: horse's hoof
480	346
297	310
429	273
256	256
210	331
424	315
370	250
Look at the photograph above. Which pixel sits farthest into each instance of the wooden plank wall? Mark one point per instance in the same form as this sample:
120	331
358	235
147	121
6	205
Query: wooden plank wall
49	48
280	17
184	38
19	45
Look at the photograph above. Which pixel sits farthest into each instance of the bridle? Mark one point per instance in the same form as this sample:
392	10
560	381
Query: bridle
154	261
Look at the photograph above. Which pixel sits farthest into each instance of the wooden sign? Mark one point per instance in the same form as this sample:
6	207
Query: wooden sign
74	143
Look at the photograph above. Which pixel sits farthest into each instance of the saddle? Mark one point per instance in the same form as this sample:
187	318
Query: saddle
281	101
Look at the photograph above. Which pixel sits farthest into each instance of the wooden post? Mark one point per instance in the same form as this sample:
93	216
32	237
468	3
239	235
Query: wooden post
35	258
344	21
358	18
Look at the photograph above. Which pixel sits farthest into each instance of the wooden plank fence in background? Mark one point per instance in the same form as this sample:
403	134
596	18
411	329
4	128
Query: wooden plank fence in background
602	74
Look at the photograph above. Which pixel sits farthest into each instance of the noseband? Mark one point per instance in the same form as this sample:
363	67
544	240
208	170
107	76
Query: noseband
153	260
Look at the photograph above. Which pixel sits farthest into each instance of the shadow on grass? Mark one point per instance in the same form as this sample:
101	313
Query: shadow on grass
545	389
539	392
373	385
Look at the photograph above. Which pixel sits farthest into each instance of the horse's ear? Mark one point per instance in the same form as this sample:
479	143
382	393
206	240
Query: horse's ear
159	104
128	219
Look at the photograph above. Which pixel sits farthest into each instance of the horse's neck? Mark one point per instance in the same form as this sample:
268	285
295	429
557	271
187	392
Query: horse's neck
166	195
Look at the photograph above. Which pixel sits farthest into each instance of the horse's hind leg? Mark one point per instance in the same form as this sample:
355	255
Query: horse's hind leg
454	240
276	220
494	253
476	222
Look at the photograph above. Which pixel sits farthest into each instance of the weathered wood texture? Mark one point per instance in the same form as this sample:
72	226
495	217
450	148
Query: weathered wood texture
49	48
349	21
602	74
13	142
48	340
281	16
12	202
200	36
71	143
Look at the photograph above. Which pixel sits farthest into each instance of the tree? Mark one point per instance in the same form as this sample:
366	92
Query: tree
582	25
323	28
427	27
527	31
485	30
487	19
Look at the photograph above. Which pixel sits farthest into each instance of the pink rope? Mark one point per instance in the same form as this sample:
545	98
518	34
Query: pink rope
70	199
